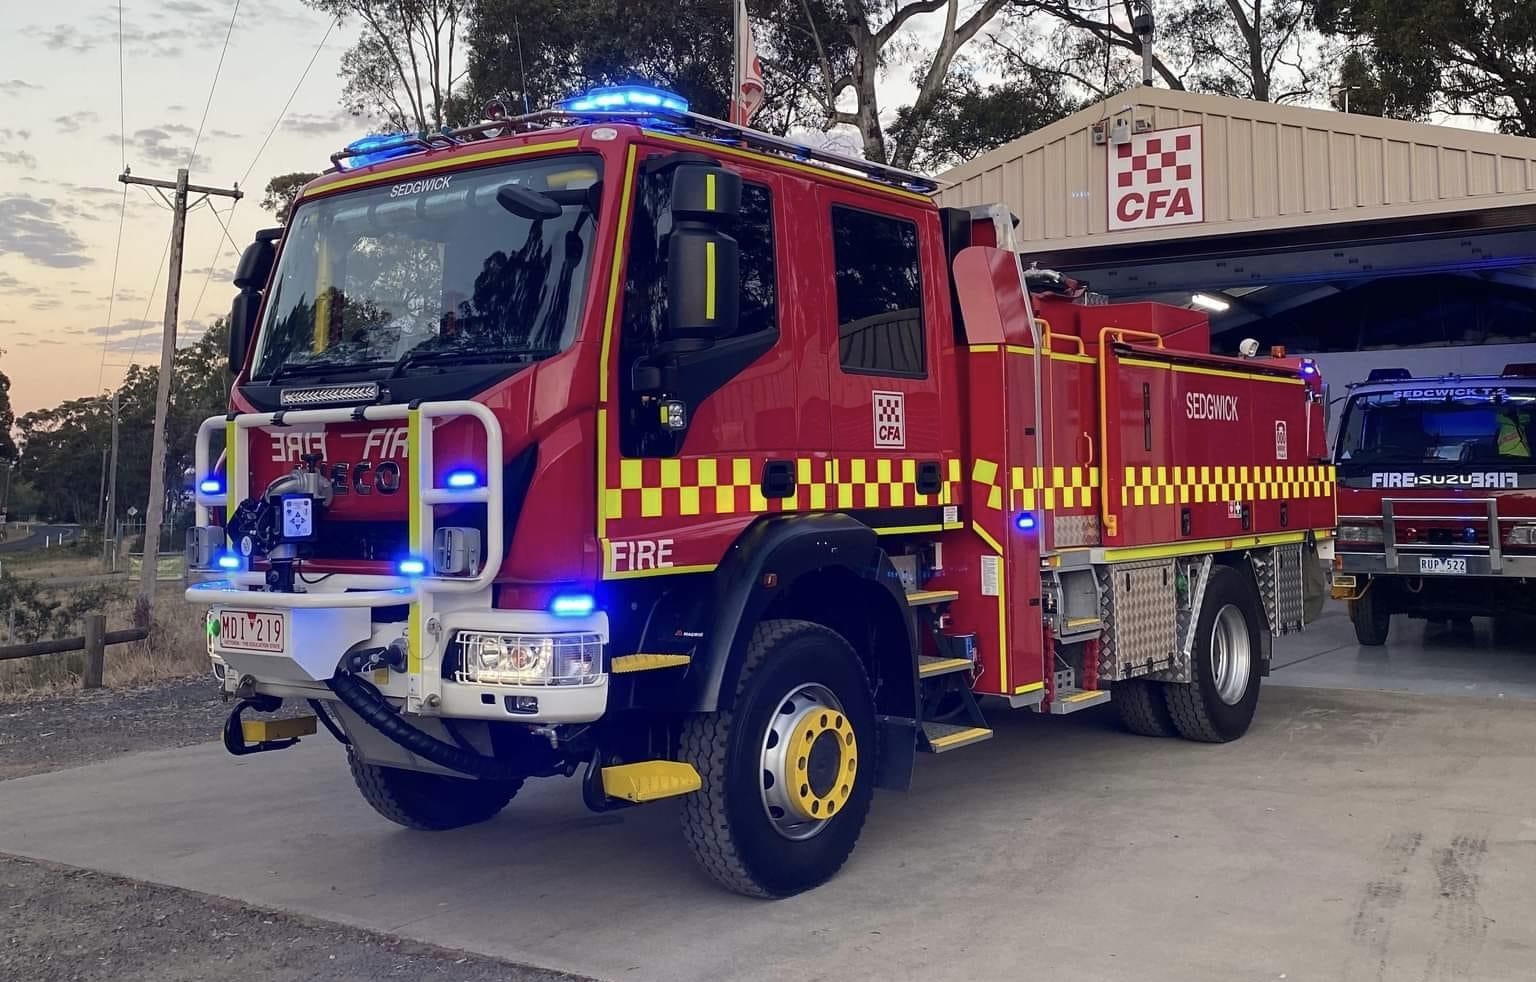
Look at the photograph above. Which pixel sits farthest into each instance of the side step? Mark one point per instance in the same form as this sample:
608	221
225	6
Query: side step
650	780
1073	700
927	598
621	664
943	737
929	666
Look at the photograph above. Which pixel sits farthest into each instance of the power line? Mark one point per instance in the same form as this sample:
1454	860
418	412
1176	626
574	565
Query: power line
218	250
122	95
117	252
282	115
217	70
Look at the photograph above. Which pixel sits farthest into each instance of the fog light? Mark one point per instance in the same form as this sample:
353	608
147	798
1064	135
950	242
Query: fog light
493	658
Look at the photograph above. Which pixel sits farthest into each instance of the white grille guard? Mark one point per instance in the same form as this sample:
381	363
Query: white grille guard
421	499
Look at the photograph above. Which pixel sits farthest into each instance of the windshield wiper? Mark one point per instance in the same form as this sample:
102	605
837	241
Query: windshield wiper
310	368
462	356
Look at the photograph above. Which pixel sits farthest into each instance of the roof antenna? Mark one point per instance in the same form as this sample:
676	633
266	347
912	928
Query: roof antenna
522	72
1142	25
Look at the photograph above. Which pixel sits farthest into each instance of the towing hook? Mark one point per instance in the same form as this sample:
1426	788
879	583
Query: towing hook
243	737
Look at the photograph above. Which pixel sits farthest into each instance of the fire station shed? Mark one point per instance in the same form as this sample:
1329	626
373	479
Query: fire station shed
1334	234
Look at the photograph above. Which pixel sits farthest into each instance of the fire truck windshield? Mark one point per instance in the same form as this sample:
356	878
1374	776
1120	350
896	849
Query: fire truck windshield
1439	424
435	268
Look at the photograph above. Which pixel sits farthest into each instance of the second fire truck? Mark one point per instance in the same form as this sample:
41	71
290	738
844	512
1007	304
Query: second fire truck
1437	498
618	442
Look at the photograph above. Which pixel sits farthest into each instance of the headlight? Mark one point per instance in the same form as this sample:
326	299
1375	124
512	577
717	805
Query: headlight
528	659
1363	534
1523	535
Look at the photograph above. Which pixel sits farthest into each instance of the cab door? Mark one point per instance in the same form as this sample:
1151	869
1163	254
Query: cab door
884	315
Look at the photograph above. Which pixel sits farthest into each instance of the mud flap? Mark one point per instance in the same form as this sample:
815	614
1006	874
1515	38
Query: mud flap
1314	584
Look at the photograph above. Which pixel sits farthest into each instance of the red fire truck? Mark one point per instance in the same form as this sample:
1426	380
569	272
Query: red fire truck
1437	498
615	440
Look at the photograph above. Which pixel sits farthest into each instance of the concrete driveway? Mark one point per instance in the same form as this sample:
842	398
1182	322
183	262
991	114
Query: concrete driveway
1351	836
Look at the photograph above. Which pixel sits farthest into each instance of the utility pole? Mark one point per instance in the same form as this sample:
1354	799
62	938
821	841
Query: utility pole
155	507
1143	26
109	515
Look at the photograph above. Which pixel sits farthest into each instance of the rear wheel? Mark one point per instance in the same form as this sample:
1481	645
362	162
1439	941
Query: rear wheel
1143	708
429	802
1371	617
1219	704
788	771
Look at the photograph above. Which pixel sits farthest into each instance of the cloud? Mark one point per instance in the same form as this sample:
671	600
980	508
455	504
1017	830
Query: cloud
72	122
154	144
132	327
318	124
8	134
220	272
18	158
31	228
47	303
16	86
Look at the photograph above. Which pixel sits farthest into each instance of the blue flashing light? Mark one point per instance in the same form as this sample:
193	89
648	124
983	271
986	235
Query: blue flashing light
620	98
374	149
572	604
229	561
463	479
211	485
1308	366
411	567
1024	522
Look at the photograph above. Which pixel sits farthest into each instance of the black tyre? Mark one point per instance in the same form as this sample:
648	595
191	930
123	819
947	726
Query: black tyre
1372	619
788	772
1143	708
1219	704
429	802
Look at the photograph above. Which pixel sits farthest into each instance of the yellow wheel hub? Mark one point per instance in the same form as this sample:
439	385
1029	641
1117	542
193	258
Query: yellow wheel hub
820	763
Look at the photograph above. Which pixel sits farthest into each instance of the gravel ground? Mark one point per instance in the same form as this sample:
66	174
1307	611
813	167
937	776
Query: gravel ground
69	925
48	733
59	924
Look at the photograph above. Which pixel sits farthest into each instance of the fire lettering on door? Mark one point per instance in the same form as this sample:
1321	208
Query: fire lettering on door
631	555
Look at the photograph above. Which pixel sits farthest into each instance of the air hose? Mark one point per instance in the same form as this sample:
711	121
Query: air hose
364	700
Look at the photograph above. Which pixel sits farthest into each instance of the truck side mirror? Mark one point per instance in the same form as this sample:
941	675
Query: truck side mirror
703	261
251	275
242	327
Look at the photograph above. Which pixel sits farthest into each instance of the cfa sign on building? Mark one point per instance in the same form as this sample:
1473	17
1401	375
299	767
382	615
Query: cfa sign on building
1157	179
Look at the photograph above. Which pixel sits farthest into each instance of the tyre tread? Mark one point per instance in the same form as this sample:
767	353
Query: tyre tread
1142	708
704	743
381	789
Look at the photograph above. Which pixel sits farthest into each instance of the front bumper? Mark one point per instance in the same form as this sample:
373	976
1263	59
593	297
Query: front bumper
314	640
1407	563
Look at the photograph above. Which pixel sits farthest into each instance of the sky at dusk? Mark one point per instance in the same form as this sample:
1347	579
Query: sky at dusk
60	154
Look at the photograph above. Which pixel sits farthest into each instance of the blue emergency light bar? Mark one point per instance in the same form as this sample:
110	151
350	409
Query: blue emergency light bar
622	98
377	148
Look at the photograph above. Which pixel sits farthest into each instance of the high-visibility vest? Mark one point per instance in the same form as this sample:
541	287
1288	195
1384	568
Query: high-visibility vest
1512	442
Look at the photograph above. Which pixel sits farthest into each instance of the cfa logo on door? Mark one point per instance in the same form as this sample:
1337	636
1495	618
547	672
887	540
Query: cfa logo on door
1157	179
890	419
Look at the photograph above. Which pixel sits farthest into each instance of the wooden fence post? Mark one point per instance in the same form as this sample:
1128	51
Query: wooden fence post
95	651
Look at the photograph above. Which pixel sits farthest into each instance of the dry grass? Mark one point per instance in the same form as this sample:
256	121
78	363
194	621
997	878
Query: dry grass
177	647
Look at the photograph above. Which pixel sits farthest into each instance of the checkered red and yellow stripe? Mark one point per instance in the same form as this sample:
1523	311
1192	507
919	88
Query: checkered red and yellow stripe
1212	485
703	486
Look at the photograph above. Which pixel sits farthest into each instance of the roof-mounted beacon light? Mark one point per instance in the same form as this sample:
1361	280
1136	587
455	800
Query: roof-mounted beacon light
627	98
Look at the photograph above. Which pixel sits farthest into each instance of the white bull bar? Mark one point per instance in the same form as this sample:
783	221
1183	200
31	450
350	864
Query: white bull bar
424	593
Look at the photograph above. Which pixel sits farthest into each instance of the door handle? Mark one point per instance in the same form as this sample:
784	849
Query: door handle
778	479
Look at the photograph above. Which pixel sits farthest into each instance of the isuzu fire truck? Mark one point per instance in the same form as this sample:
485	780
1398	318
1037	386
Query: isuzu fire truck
621	442
1437	498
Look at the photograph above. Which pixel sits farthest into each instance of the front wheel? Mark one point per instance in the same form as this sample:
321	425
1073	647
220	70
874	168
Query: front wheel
788	771
429	802
1219	704
1370	616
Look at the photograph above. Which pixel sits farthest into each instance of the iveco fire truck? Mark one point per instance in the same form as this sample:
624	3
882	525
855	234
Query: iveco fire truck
1437	498
617	441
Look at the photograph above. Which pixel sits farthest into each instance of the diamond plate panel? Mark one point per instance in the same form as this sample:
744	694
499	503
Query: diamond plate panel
1289	589
1141	612
1076	530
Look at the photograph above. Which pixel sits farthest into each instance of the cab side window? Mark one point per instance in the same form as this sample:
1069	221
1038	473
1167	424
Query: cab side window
696	375
879	294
